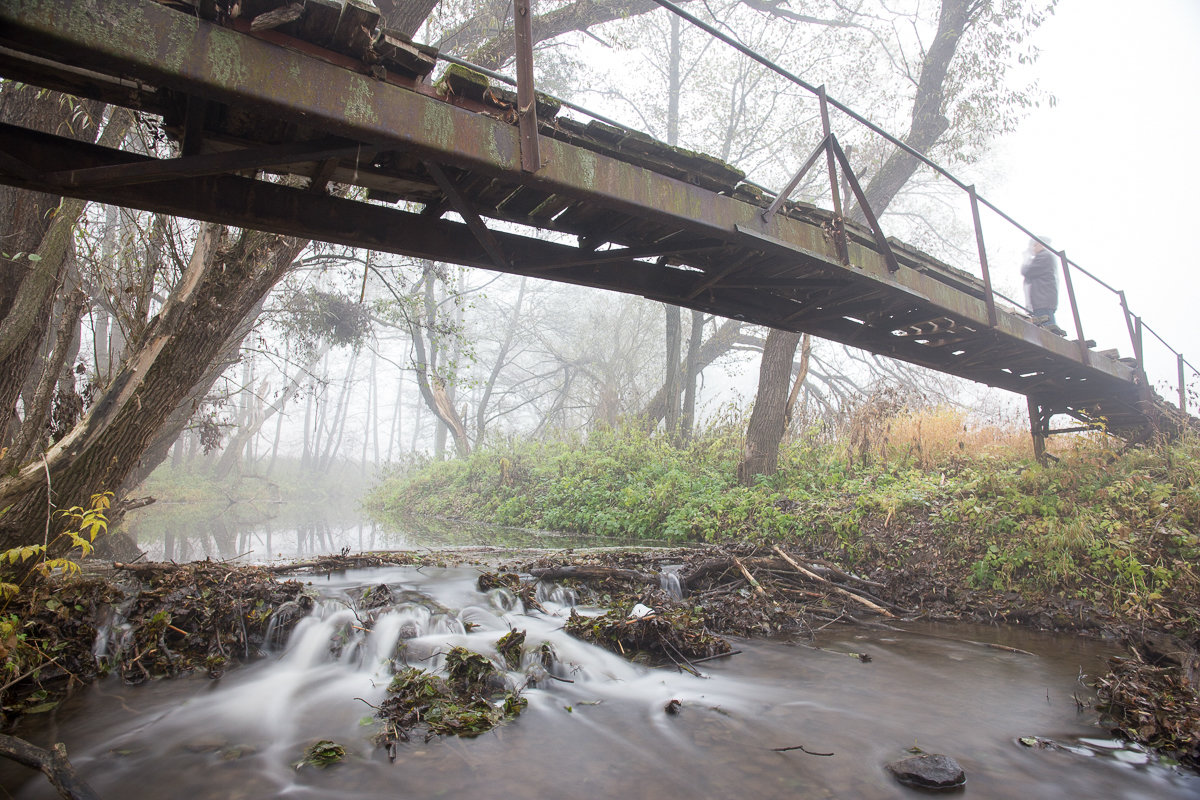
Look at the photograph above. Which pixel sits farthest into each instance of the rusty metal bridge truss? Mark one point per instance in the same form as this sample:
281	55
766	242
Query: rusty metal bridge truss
274	104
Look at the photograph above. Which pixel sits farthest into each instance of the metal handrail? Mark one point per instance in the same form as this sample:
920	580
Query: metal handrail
1134	323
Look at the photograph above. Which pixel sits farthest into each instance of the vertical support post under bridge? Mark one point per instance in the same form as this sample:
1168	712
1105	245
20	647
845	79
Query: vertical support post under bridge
526	97
1037	428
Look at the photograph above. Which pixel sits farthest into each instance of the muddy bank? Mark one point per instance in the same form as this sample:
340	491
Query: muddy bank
667	607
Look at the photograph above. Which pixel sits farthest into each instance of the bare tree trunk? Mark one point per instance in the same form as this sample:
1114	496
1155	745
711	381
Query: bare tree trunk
395	431
481	413
671	384
36	234
691	373
406	16
306	453
766	427
251	426
721	342
220	285
434	390
798	381
334	442
928	122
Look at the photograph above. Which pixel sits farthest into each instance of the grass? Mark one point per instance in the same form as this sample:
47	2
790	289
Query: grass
1107	525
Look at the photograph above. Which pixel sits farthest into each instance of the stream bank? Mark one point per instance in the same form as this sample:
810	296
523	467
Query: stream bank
663	607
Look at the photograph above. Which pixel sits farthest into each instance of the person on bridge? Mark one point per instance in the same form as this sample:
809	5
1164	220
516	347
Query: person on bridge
1041	283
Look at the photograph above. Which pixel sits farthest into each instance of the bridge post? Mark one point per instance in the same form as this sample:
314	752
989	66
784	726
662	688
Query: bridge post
1037	428
526	100
838	219
989	298
1084	355
1182	385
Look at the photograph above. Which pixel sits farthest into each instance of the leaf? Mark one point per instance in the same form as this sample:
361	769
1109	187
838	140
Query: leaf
43	707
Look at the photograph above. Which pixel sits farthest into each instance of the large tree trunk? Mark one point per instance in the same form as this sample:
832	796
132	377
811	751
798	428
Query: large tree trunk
671	384
405	16
765	431
36	232
928	122
767	421
691	373
222	282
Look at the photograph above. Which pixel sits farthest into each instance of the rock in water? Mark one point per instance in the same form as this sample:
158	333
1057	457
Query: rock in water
933	771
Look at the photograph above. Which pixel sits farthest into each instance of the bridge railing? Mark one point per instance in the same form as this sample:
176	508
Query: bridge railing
836	157
1070	269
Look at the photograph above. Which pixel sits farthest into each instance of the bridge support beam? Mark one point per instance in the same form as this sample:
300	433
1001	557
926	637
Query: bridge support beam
1039	425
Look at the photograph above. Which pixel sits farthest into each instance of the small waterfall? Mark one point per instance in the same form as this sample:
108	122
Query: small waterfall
668	581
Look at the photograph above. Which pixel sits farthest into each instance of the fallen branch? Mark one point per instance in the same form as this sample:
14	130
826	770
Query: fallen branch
749	577
814	576
801	748
52	763
593	573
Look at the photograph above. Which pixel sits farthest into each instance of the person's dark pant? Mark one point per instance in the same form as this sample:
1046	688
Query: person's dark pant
1048	313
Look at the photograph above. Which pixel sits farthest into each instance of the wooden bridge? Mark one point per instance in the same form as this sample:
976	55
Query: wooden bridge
271	116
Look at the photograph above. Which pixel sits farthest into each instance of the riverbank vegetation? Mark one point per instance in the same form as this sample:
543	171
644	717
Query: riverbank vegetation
949	520
1106	525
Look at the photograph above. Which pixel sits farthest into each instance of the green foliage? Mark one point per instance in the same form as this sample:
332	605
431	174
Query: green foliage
84	525
463	703
323	754
314	317
1118	527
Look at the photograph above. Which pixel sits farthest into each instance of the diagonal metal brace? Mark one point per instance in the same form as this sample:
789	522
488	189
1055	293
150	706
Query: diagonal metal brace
486	238
881	241
795	181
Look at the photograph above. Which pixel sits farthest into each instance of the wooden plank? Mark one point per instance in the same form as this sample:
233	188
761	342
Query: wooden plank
398	53
278	17
355	29
319	21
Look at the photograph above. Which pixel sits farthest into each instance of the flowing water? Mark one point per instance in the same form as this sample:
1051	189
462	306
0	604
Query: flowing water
604	733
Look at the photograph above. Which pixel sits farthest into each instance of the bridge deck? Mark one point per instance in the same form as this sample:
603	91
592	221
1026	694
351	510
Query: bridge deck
257	111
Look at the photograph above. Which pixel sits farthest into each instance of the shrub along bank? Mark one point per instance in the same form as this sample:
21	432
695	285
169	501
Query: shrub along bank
1112	529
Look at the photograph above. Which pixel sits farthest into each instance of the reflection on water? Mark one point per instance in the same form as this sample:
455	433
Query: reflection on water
256	532
606	734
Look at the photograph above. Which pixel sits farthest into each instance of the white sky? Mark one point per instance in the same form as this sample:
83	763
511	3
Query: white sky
1112	172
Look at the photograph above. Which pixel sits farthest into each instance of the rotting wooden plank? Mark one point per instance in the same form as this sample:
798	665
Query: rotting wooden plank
278	17
355	29
398	53
550	207
523	200
319	21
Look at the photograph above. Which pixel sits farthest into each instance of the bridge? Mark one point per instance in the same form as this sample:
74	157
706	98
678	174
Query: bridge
271	112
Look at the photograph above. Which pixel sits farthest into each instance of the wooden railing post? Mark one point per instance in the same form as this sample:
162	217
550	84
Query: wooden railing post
1182	385
1084	355
526	97
838	219
989	298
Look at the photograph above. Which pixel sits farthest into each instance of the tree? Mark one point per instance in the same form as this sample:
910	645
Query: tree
961	24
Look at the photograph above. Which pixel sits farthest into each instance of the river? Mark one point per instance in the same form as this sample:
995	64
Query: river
606	733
